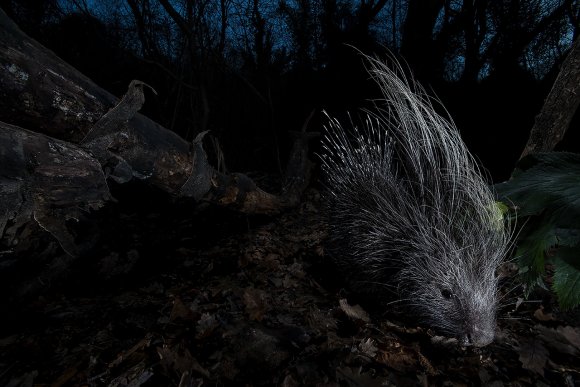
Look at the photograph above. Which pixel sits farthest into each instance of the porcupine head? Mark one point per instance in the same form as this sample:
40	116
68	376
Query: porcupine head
410	214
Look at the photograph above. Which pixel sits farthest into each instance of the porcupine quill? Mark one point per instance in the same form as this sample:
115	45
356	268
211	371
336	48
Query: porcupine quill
409	210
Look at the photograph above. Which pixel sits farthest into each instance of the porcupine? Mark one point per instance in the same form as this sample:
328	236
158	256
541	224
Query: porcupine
409	210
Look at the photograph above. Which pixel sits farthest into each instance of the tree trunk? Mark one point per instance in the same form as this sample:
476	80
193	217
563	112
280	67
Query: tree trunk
417	40
559	107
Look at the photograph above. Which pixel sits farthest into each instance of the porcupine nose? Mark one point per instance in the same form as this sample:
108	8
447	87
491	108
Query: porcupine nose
479	337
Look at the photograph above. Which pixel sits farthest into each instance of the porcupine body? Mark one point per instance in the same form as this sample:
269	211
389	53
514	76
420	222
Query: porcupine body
409	211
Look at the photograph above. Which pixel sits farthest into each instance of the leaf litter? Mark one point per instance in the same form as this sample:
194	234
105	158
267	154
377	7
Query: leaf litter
262	306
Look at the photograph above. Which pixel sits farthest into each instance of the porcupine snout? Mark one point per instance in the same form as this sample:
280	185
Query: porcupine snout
465	307
481	321
479	336
479	328
467	314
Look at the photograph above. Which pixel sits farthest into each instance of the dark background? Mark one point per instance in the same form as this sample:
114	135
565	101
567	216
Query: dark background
253	70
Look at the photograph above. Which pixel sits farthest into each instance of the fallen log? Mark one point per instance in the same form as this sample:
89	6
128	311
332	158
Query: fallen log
47	181
47	186
64	140
41	92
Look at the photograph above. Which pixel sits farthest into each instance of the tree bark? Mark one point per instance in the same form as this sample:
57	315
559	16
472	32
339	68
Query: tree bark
559	107
47	181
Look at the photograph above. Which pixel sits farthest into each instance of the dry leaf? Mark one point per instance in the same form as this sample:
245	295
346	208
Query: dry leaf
206	325
355	377
354	311
571	334
533	355
180	310
399	358
180	360
541	316
255	303
559	339
368	347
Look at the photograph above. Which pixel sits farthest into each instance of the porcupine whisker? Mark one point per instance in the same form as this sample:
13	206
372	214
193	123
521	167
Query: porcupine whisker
514	318
504	296
380	284
398	301
506	304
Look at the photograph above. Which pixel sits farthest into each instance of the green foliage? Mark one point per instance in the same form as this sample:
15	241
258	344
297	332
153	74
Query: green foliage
544	197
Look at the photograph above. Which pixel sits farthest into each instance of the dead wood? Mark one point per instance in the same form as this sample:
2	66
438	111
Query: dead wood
47	186
47	181
41	92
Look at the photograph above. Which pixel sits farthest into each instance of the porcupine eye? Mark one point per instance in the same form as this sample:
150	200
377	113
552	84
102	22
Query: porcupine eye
446	293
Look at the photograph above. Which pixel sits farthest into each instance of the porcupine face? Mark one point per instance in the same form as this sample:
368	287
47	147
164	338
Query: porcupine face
457	299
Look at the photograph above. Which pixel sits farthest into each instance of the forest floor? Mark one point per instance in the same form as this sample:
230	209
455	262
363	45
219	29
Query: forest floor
255	303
